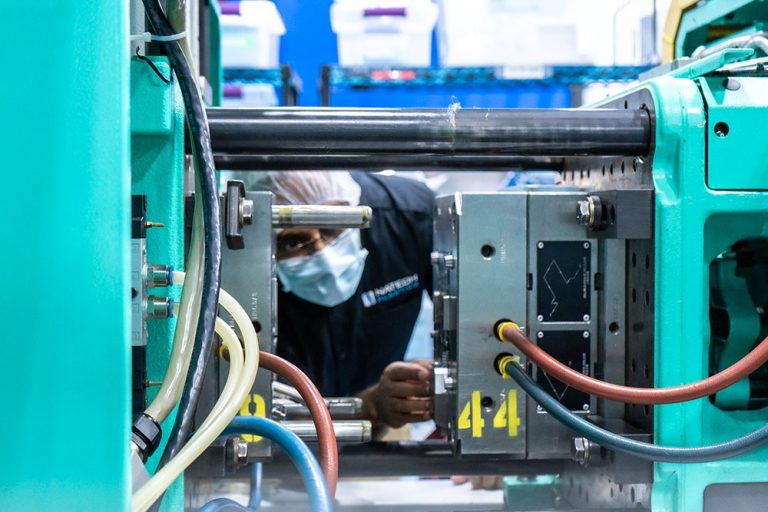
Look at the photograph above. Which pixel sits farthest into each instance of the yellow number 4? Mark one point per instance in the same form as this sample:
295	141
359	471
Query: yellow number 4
506	416
472	416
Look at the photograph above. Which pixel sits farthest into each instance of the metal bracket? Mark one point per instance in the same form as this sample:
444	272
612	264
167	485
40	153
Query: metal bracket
623	214
237	212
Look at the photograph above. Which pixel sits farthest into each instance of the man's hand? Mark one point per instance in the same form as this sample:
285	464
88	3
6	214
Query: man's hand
402	394
486	482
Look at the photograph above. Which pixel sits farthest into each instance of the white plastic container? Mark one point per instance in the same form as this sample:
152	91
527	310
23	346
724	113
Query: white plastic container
250	35
249	95
384	32
519	32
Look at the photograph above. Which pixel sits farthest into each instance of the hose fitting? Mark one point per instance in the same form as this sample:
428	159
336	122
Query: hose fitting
501	362
500	326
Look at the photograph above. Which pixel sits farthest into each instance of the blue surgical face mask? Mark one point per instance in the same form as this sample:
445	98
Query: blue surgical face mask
329	276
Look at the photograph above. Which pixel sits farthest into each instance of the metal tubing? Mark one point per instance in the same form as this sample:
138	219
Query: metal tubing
379	161
345	408
518	132
285	216
348	432
379	459
756	40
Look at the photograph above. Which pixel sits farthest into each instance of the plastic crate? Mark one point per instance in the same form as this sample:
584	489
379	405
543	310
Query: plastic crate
250	34
384	32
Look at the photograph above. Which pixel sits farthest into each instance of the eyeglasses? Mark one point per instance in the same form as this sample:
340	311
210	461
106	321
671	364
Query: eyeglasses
294	245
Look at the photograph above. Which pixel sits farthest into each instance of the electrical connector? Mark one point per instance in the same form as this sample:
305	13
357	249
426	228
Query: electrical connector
145	435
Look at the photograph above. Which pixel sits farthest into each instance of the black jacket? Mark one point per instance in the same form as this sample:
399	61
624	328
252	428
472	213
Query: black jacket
345	348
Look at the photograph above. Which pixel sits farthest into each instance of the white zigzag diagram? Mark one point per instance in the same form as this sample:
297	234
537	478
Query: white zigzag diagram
566	280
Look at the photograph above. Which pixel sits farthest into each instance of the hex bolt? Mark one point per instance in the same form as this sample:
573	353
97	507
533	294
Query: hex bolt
450	261
246	212
241	452
580	448
583	214
236	452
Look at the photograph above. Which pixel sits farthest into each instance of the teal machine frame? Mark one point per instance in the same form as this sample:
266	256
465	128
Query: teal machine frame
157	172
711	194
703	286
711	198
65	371
703	208
709	174
712	20
92	126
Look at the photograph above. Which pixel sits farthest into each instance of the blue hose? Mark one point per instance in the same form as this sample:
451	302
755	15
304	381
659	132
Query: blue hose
254	502
228	505
646	451
223	505
299	453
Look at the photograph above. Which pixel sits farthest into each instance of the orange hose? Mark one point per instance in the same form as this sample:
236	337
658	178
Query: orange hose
329	456
509	332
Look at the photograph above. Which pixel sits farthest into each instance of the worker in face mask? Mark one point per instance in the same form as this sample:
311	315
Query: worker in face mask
321	266
348	299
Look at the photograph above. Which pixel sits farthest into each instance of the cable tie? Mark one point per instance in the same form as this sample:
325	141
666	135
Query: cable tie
147	37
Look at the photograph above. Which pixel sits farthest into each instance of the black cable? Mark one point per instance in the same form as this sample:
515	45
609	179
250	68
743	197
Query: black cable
658	453
206	174
152	65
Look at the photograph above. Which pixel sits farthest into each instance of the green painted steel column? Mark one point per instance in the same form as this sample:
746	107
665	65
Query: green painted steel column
157	171
64	373
694	224
217	71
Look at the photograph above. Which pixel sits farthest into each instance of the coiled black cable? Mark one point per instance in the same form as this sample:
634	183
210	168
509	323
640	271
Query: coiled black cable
206	174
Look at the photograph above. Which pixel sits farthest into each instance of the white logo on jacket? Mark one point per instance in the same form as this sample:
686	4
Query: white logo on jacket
390	290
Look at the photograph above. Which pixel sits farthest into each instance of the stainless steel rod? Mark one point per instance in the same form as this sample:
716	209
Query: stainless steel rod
321	216
347	432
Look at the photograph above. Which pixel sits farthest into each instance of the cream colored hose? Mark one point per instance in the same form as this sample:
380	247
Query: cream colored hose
239	384
184	334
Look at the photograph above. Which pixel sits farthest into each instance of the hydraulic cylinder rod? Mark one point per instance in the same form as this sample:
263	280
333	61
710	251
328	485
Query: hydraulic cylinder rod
453	132
377	161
